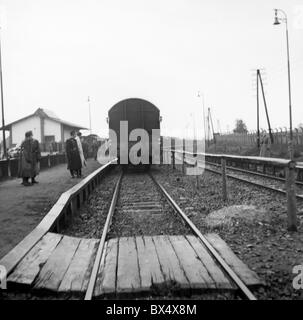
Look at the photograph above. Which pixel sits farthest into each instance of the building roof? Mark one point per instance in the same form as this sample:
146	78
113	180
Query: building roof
47	114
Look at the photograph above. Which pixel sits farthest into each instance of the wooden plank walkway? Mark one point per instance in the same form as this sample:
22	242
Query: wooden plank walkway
130	266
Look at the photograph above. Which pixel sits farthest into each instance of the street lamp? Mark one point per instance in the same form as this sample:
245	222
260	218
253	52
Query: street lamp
278	21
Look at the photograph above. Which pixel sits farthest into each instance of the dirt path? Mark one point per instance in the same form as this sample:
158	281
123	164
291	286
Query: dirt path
22	208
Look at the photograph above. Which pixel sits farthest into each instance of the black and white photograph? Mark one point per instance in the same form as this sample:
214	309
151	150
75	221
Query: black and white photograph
151	153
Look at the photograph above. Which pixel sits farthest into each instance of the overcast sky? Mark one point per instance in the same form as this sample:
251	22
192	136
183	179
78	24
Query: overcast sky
57	52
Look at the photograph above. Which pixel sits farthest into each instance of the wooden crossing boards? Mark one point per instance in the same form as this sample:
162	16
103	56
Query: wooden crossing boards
159	263
130	266
56	263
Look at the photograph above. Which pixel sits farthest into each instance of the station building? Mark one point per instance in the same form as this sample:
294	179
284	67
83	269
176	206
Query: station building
47	128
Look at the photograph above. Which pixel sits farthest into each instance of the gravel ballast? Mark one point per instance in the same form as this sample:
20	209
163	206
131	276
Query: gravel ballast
264	243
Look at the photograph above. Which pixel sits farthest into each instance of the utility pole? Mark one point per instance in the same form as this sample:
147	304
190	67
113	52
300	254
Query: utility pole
259	81
90	117
208	128
204	120
2	105
212	125
265	106
203	108
258	112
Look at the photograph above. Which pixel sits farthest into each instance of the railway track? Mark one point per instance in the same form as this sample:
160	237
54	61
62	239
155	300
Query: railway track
138	195
148	247
142	210
254	173
265	181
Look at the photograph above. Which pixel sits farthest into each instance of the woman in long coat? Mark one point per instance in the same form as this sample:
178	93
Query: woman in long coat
29	159
74	163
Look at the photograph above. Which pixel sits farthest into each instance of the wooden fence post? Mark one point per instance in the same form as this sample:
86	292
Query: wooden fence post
183	157
173	159
224	191
173	156
9	171
73	207
161	151
291	197
183	163
197	181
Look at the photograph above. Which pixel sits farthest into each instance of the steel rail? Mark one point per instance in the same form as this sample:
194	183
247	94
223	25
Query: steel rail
239	283
298	196
254	183
263	175
100	251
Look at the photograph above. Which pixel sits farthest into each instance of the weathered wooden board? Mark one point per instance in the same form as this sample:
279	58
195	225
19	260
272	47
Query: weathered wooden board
249	277
149	267
30	266
128	277
129	264
56	266
77	276
221	281
195	271
106	278
10	260
169	262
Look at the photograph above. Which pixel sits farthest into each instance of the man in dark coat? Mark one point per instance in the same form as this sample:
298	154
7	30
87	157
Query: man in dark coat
74	163
29	159
36	154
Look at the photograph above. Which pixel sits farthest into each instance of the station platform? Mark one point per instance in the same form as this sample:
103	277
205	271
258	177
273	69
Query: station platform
22	208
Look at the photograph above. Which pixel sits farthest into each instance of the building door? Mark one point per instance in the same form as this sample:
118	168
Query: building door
50	143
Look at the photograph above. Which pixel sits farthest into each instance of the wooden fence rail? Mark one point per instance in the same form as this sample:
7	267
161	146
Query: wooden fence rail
9	168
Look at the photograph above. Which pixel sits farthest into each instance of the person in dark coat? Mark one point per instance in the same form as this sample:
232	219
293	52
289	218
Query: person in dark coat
95	148
74	163
84	147
29	159
36	155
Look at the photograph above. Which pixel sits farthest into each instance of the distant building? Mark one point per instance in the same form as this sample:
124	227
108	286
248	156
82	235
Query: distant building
47	128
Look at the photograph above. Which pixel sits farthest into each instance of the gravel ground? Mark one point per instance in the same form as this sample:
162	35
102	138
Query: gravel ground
92	216
264	245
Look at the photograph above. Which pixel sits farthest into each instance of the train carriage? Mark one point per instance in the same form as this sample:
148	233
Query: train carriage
139	114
